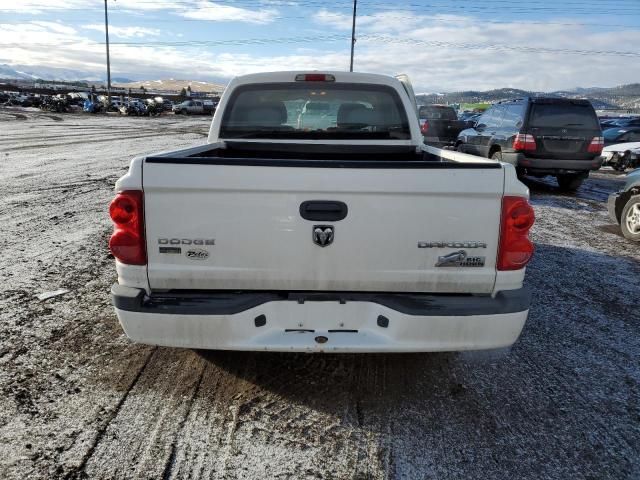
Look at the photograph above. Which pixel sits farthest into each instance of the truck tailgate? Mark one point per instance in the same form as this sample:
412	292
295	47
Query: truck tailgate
239	227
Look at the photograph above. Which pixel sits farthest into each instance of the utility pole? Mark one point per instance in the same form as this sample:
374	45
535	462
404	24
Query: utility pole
353	33
106	31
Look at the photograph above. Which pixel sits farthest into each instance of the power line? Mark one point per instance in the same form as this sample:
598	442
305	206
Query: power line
422	17
370	38
493	6
181	43
522	48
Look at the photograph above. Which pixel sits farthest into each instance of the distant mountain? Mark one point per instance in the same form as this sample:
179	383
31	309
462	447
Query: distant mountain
621	97
7	72
171	84
50	74
121	80
28	72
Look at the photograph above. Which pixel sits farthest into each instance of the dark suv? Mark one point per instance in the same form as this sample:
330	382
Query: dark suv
539	136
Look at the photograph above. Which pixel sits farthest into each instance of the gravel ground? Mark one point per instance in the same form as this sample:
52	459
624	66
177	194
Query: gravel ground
80	401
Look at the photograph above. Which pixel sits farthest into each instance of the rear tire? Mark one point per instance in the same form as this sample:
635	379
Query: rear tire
570	183
630	219
497	156
460	148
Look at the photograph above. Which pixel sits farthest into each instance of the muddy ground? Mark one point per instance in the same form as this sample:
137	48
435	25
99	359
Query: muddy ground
79	400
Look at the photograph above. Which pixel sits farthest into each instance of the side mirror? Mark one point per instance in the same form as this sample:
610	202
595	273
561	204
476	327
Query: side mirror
480	126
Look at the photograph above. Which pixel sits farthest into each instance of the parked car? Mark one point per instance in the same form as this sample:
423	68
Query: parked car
606	123
539	136
154	106
466	115
621	135
356	237
622	155
57	103
627	122
92	107
116	104
190	107
167	105
624	206
209	106
440	125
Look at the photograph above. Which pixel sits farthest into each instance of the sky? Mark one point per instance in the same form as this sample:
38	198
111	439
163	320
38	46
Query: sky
443	45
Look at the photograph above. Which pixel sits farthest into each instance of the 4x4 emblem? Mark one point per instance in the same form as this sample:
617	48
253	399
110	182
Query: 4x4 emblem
323	235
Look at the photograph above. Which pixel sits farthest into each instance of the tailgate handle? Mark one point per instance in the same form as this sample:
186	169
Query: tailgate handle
323	210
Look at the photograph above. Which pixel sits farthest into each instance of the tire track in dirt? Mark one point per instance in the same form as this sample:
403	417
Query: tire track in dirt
143	432
84	142
81	470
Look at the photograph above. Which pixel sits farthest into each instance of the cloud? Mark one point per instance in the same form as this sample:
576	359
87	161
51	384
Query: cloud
217	12
455	52
192	9
338	21
125	32
388	43
40	6
55	27
378	22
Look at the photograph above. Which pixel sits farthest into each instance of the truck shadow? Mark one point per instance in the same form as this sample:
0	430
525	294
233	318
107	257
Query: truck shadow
594	188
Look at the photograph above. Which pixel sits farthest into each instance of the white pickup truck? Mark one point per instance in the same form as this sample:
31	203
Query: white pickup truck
353	236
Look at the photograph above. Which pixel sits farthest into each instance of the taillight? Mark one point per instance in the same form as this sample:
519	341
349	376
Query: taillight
524	142
596	145
515	248
127	242
315	77
424	128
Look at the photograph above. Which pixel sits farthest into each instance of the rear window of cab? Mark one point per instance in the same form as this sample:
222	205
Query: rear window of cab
563	115
316	110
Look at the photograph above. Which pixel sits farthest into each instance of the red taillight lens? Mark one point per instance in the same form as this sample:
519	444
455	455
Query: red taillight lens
425	127
596	145
127	242
515	249
315	77
524	142
122	209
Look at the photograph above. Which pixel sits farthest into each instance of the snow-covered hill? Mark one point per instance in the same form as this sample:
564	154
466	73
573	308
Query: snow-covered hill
172	84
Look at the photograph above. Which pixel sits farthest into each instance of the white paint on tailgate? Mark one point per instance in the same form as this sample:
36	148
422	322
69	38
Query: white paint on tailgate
262	242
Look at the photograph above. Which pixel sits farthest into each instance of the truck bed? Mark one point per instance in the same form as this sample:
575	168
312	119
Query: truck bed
319	156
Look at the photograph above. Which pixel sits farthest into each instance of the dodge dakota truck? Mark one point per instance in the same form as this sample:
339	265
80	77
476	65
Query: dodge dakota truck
347	236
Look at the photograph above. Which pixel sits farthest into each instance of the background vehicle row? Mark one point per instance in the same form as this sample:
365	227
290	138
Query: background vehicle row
539	136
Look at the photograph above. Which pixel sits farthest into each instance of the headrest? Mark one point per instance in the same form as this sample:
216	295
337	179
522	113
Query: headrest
356	114
268	113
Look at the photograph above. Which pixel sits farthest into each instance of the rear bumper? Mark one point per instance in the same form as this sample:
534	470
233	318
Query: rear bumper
551	165
347	322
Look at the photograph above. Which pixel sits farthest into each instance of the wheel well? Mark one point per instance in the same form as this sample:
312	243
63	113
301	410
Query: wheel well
494	149
623	199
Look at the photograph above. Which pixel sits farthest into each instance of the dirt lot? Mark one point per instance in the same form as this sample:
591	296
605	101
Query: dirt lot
80	401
